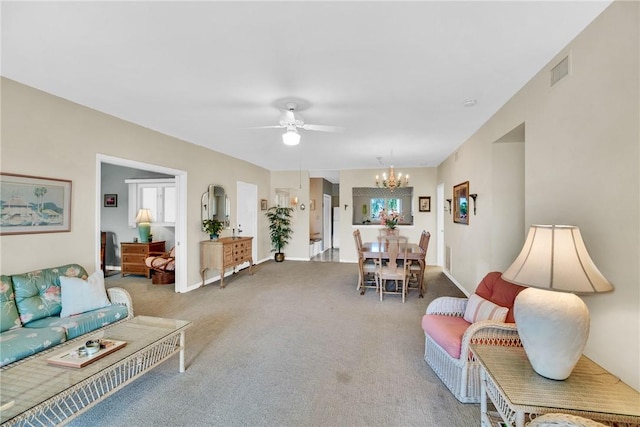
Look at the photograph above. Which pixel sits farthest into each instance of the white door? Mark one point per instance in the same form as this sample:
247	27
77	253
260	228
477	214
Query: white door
440	223
326	221
247	215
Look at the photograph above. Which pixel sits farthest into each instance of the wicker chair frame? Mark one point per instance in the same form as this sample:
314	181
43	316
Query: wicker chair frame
563	420
462	376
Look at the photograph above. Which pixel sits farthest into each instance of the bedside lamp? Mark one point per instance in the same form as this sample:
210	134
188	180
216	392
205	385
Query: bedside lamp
554	326
143	220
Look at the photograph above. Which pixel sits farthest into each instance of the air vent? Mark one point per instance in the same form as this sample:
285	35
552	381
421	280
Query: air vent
447	262
560	71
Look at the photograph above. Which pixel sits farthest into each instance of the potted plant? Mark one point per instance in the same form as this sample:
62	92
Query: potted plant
279	229
213	227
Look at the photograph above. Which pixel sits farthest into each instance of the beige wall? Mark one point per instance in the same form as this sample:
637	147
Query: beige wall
423	181
581	167
297	183
44	135
315	216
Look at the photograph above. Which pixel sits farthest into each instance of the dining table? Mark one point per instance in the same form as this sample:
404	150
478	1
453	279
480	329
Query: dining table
414	253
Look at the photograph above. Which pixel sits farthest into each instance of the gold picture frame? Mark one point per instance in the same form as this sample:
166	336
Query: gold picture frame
461	203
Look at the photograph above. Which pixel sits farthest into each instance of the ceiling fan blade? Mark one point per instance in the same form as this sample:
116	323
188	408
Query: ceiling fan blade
268	127
322	128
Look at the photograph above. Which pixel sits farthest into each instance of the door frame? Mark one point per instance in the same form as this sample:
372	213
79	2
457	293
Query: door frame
181	211
326	222
246	188
440	224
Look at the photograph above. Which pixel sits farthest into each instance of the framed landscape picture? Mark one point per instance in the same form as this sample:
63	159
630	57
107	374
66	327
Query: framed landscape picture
33	204
424	204
461	203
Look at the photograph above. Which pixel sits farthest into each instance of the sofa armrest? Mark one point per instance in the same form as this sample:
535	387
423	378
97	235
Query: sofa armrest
447	306
490	332
121	296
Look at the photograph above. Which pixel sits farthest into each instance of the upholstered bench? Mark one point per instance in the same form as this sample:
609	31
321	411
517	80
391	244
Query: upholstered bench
451	324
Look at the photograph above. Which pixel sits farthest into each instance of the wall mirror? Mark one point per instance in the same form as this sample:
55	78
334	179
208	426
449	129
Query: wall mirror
461	203
215	204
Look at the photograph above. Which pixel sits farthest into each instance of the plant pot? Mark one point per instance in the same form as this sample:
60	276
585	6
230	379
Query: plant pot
279	256
213	236
390	231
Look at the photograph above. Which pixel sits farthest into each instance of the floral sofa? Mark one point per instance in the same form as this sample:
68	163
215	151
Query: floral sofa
43	308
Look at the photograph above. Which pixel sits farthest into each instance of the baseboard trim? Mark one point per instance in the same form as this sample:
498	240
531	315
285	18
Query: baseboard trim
455	282
217	277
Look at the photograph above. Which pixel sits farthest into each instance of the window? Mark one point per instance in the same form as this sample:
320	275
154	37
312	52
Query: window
157	195
378	204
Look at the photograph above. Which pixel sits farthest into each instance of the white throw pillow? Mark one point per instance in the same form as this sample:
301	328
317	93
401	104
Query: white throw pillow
79	296
479	309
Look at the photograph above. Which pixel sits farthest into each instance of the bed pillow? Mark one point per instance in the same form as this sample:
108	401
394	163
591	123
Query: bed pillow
79	296
479	309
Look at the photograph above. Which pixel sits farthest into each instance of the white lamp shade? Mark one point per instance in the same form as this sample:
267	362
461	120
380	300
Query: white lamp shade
144	216
291	137
554	328
554	257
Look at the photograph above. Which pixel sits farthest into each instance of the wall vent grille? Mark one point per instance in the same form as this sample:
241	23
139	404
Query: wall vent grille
447	261
560	71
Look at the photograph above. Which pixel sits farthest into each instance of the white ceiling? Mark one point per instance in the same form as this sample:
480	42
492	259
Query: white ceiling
395	75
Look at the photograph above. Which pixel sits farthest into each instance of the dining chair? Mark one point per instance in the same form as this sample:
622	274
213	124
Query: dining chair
394	250
366	267
414	268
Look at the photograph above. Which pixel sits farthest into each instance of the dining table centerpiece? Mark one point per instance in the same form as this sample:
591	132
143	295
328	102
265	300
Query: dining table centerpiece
390	220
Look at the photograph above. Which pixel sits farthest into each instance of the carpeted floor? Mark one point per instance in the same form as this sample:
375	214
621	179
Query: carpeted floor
294	344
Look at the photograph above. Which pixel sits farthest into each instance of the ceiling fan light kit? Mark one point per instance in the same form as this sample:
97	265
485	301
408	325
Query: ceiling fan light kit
291	137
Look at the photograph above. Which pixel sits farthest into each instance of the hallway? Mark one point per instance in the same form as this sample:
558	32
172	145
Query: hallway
330	255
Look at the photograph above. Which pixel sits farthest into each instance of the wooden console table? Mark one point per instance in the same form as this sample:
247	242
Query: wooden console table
225	253
133	256
519	394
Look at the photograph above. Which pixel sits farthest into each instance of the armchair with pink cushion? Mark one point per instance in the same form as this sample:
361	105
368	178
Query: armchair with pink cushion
451	325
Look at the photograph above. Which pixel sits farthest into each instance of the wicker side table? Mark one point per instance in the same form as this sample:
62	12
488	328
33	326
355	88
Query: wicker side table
519	394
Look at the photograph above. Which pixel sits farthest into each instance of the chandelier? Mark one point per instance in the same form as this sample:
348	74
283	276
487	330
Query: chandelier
392	183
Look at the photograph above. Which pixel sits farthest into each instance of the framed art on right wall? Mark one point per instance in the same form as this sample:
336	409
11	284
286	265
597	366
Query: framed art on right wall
461	203
424	204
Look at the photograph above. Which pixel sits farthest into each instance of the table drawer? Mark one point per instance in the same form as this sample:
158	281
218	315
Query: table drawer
135	249
133	258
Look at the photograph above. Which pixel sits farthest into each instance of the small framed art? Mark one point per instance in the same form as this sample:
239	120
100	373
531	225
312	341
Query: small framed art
424	204
110	200
263	204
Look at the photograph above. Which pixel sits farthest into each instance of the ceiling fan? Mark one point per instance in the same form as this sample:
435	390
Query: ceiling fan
292	121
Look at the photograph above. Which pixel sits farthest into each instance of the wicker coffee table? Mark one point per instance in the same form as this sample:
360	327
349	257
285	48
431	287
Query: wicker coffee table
35	392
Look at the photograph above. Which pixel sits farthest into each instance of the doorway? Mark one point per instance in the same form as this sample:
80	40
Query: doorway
181	209
247	215
440	224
